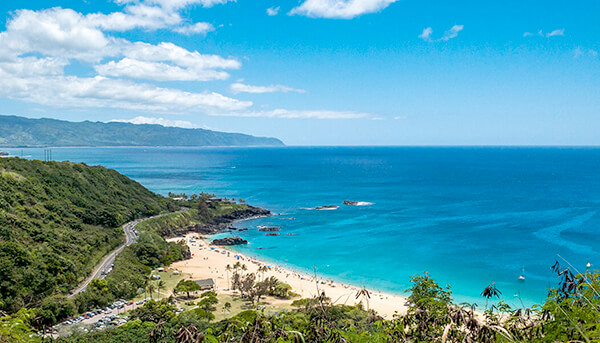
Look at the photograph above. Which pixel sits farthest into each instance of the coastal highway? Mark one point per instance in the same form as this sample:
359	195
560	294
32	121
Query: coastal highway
106	265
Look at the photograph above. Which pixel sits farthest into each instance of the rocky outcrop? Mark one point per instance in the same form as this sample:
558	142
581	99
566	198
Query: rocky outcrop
236	240
221	223
272	234
268	228
246	213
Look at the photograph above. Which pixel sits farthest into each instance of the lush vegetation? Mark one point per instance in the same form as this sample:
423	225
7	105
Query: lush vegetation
57	220
571	314
129	276
24	132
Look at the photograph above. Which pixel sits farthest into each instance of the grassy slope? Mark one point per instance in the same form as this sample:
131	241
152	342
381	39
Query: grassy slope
57	220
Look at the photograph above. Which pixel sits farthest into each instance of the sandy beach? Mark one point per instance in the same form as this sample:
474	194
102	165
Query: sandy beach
211	263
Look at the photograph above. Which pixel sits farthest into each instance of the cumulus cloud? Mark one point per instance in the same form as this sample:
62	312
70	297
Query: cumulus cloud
167	62
272	11
243	88
101	92
198	28
340	9
157	71
427	33
38	45
157	121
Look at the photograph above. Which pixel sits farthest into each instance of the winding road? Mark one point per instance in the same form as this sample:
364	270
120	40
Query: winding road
104	267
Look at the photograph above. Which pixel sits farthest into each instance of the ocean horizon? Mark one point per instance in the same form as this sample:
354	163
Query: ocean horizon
468	215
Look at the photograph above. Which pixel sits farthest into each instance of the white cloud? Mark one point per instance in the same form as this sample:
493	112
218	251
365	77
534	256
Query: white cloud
140	15
560	32
198	28
580	51
448	35
299	114
400	117
36	47
452	33
167	62
157	121
341	9
101	92
555	33
170	52
54	32
179	4
426	34
243	88
271	11
157	71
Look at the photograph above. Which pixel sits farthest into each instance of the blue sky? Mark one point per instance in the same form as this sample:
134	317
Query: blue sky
313	72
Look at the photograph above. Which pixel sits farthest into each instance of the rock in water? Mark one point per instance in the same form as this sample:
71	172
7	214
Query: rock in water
268	228
236	240
327	207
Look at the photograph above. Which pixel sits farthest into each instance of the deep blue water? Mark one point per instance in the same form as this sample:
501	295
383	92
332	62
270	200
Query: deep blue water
468	216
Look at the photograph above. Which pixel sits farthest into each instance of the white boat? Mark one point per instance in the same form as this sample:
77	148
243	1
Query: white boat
522	276
588	265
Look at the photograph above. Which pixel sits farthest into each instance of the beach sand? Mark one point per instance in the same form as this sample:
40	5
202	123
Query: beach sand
211	263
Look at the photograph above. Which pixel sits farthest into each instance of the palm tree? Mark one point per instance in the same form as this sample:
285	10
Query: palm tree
150	288
160	286
262	270
490	291
365	295
227	270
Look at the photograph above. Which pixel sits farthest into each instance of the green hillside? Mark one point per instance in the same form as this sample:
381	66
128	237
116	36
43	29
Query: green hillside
57	220
24	132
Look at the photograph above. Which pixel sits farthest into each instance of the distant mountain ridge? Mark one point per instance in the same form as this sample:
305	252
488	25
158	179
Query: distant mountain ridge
24	132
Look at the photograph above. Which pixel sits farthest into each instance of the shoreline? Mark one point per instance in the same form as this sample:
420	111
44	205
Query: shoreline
211	263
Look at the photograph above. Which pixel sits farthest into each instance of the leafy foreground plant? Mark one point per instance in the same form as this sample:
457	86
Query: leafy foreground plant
569	315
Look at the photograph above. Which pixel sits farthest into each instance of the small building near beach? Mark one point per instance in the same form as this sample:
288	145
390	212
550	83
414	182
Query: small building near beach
206	284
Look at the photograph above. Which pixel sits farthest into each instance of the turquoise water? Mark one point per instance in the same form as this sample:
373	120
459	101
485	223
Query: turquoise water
468	216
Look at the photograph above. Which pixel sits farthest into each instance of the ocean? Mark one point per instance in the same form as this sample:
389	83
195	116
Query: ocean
469	216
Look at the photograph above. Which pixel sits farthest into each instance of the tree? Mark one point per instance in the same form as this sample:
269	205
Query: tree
207	304
365	295
186	286
154	311
227	270
160	286
150	288
236	281
247	284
